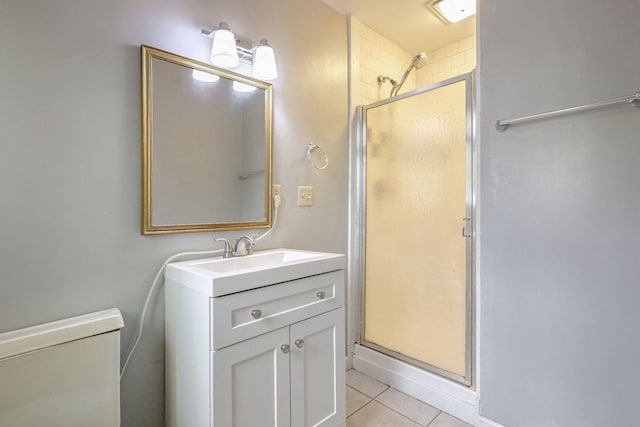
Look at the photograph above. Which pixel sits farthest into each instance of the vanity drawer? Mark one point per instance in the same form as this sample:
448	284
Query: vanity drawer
247	314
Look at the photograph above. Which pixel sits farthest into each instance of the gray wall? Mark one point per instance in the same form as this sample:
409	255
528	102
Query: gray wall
70	155
559	205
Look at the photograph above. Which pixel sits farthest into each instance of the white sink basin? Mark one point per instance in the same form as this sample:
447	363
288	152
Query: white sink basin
257	260
221	276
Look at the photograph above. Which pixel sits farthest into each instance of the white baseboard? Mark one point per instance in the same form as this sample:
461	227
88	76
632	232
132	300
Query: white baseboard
486	422
448	396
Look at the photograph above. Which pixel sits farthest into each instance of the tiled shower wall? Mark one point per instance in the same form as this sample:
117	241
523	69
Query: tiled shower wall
449	61
373	55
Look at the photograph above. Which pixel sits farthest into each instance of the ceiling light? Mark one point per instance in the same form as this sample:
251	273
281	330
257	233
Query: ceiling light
452	11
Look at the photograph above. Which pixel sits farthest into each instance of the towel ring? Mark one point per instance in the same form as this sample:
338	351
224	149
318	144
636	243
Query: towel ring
319	160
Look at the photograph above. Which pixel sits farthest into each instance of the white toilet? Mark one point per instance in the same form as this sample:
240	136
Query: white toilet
63	373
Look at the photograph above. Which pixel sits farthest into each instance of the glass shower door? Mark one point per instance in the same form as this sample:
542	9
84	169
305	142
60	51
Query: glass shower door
418	209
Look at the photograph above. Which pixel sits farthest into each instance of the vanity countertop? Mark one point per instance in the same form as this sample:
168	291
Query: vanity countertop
221	276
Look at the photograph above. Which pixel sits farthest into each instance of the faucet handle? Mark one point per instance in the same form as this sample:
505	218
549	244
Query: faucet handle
228	250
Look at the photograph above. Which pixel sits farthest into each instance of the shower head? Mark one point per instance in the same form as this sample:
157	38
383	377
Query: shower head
418	61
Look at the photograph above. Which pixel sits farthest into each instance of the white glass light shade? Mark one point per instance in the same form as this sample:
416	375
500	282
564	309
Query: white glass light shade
243	87
203	76
223	49
264	62
456	10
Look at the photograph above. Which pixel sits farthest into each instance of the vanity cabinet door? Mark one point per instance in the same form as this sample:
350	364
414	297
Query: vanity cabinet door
318	371
250	382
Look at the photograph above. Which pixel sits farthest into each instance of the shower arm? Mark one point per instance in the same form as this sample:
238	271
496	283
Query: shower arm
418	62
396	87
382	79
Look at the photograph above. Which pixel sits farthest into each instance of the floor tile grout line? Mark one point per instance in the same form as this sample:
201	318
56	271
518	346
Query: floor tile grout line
434	418
360	408
391	409
391	388
405	416
387	387
371	399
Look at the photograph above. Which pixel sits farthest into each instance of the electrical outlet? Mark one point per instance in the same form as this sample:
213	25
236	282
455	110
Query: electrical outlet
276	190
305	195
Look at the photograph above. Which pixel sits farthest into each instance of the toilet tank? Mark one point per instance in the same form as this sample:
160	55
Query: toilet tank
63	373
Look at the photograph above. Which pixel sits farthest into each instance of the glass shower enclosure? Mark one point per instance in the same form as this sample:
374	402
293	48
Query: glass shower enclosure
416	219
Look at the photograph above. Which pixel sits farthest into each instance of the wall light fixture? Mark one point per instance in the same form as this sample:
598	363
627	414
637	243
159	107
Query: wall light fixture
223	49
264	62
227	51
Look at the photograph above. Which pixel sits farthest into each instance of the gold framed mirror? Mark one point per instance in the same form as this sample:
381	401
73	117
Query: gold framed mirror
206	146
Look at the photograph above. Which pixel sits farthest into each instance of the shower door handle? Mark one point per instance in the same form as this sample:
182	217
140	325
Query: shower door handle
465	221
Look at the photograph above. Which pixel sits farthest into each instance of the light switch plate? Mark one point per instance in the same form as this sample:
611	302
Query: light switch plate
305	195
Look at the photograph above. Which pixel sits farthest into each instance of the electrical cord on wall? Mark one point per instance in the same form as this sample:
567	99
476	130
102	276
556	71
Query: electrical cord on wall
154	284
276	205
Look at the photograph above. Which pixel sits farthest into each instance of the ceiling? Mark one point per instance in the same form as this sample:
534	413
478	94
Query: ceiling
407	23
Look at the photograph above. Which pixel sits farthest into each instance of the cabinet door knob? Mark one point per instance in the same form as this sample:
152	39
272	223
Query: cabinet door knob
321	294
299	343
284	348
256	313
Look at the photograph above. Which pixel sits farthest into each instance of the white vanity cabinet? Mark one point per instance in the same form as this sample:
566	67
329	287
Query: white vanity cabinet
268	356
283	378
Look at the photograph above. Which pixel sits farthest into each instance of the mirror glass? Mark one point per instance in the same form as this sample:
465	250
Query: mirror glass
206	146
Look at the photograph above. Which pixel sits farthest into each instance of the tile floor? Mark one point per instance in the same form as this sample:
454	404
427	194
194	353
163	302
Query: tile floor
371	403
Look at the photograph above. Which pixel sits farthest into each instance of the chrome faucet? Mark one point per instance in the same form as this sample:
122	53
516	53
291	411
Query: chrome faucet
248	245
231	251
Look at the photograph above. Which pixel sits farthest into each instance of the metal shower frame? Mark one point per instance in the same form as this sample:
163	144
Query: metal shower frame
358	245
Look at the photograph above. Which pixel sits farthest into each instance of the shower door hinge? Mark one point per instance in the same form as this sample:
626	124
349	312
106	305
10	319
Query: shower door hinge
466	227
